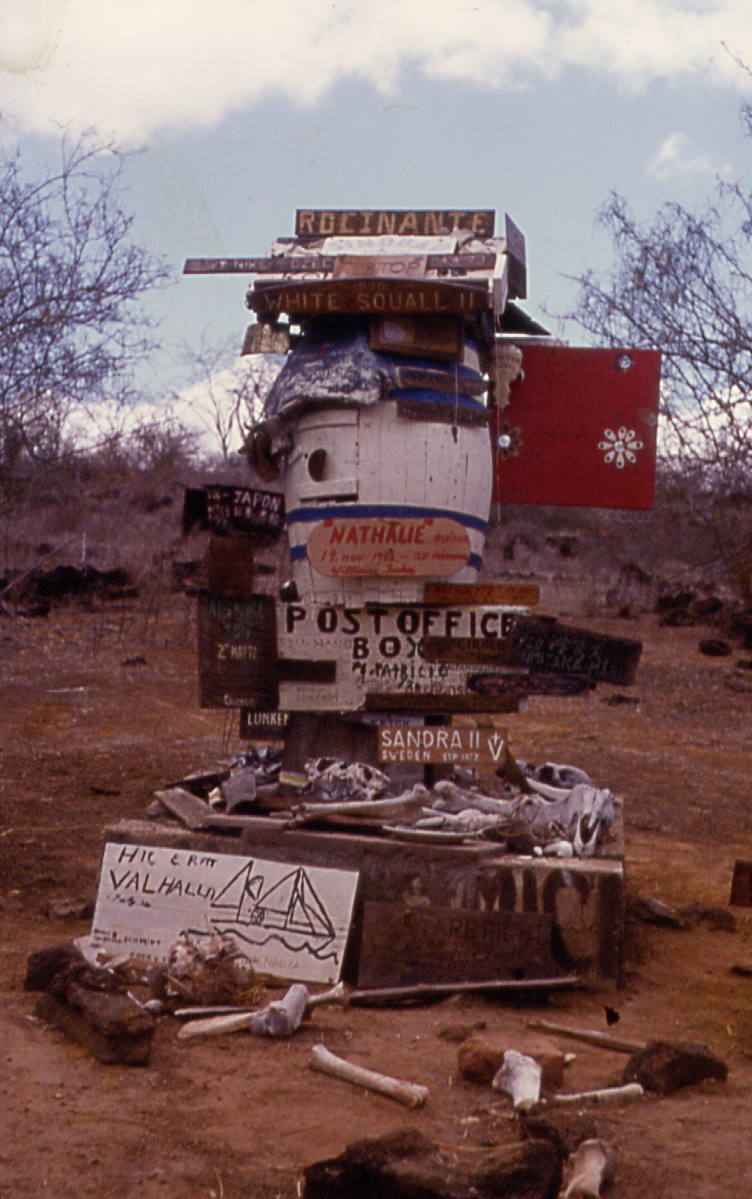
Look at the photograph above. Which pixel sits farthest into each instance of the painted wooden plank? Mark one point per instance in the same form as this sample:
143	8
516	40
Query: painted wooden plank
438	337
470	745
237	647
292	921
425	702
298	264
421	943
352	547
258	724
482	593
380	266
221	508
544	644
329	222
363	296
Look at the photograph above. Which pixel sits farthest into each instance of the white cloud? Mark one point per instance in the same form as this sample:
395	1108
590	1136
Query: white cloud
676	156
129	69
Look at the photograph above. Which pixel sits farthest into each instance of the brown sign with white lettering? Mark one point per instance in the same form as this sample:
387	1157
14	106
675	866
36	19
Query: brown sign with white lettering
383	297
339	222
441	744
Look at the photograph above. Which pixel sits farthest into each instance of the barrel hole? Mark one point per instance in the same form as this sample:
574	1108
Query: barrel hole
317	465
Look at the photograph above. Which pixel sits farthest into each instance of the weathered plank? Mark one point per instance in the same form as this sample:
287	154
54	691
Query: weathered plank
259	723
237	645
299	264
438	336
472	746
430	702
419	943
242	511
381	297
331	222
482	593
543	644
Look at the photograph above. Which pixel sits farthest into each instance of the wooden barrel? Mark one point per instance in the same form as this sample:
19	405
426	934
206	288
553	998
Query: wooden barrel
380	498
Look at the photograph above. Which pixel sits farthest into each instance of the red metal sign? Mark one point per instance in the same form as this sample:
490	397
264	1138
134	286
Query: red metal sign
579	429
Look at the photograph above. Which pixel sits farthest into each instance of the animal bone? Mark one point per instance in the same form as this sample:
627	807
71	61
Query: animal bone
623	1094
235	1021
410	1093
591	1166
410	803
451	798
603	1039
520	1077
281	1018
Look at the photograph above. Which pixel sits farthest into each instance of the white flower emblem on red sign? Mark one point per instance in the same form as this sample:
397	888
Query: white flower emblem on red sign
620	447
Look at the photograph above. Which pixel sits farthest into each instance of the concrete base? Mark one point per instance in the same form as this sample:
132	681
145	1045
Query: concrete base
584	898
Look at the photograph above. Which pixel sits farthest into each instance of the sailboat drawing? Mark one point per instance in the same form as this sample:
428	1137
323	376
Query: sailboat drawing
289	911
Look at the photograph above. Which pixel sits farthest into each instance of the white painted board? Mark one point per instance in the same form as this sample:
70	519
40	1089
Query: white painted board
291	921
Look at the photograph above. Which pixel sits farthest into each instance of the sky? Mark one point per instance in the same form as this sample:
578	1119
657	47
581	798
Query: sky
237	112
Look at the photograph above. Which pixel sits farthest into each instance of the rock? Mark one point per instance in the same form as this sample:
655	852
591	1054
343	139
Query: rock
478	1060
407	1165
714	647
665	1067
69	909
564	1129
655	911
42	966
711	915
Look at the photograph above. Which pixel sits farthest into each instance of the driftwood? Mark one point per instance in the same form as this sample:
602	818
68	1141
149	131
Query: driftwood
410	1093
591	1166
112	1025
238	1020
603	1040
623	1094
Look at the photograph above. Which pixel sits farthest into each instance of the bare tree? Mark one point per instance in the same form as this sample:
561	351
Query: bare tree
71	280
228	392
682	284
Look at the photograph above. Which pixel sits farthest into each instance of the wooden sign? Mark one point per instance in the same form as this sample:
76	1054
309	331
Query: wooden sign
237	646
421	943
471	746
299	264
579	429
256	724
291	921
221	508
363	296
377	651
482	593
439	336
543	644
359	547
328	222
359	266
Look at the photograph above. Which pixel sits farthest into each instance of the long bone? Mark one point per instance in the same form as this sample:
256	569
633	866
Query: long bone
412	1094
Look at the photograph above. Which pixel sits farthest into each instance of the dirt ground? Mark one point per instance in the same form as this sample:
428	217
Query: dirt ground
99	709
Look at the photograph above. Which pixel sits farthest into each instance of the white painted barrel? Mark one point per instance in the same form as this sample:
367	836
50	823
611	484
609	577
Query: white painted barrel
369	463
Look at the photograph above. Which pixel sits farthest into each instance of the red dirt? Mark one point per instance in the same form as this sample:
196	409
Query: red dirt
87	739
